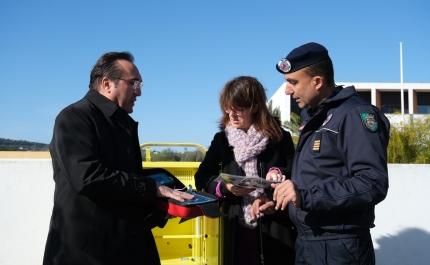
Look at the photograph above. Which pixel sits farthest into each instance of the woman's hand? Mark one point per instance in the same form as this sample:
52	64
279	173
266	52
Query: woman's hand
262	205
275	175
238	191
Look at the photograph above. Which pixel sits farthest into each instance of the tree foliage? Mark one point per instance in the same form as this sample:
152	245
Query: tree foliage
275	112
293	126
195	156
20	145
410	142
172	155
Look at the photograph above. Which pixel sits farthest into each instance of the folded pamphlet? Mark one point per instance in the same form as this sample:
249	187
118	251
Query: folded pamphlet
246	182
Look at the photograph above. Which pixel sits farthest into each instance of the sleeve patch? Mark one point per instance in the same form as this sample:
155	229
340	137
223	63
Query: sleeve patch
369	121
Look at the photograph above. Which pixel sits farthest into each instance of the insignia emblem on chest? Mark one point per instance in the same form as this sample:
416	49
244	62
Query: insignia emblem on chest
327	120
369	121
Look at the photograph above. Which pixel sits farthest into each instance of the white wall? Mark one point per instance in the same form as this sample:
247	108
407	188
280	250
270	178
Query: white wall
279	99
401	235
26	200
402	232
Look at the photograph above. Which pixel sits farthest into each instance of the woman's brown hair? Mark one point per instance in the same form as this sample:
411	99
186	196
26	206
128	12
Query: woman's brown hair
248	92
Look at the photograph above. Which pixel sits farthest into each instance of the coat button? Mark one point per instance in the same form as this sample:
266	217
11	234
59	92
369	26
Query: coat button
128	150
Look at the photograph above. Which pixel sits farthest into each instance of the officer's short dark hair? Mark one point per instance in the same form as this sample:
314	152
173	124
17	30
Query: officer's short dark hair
324	69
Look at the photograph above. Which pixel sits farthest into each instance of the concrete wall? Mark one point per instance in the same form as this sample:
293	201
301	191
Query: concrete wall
401	235
26	200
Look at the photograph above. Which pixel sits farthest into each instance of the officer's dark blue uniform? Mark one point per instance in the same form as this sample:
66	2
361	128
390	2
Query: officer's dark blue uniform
340	169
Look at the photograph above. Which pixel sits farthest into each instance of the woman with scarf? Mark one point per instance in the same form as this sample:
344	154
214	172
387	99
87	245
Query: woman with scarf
251	143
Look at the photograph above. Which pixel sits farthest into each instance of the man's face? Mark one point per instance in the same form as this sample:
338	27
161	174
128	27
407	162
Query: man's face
124	94
302	88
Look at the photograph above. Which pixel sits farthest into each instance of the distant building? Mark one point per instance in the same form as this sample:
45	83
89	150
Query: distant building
385	96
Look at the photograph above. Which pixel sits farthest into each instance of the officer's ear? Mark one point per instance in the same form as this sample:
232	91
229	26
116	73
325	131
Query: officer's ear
318	82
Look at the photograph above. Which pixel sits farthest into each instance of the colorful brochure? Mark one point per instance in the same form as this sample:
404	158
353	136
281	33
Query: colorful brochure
246	182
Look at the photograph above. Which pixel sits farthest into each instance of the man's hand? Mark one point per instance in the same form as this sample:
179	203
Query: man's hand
286	192
262	205
238	191
164	191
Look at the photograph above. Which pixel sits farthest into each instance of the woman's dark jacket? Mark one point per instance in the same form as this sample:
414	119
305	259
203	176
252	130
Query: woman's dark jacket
220	156
103	205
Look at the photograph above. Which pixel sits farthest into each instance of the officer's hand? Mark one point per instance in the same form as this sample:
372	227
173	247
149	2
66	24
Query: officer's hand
284	193
238	191
164	191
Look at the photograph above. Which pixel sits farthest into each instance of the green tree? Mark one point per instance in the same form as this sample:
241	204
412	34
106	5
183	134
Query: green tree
293	126
171	155
410	142
165	155
275	112
194	156
21	145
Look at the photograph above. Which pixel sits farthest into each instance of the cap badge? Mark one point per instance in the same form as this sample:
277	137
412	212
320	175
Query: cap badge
284	65
369	121
327	120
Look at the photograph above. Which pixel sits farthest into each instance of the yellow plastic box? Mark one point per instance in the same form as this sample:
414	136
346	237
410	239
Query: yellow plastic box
195	241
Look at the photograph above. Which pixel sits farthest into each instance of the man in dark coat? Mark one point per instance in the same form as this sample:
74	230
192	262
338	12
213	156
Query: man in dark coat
103	204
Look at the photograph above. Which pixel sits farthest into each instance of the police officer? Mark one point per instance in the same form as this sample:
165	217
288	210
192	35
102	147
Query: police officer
340	167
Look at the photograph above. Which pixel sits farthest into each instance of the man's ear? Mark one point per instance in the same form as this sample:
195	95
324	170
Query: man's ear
318	81
105	85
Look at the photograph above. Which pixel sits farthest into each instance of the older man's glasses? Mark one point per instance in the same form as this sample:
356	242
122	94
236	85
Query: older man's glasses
135	83
238	112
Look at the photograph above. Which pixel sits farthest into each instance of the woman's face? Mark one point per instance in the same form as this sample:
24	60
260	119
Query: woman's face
240	118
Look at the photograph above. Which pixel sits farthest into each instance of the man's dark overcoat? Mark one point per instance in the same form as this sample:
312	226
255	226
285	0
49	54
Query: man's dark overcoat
103	206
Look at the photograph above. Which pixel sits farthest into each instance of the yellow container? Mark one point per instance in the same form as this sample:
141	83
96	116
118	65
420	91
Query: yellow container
195	241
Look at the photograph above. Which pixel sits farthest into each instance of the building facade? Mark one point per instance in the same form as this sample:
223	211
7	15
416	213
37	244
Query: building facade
385	96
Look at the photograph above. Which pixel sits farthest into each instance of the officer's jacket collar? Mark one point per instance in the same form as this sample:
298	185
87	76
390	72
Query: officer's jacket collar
339	94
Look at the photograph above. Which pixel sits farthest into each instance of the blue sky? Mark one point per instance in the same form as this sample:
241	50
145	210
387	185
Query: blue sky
187	50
